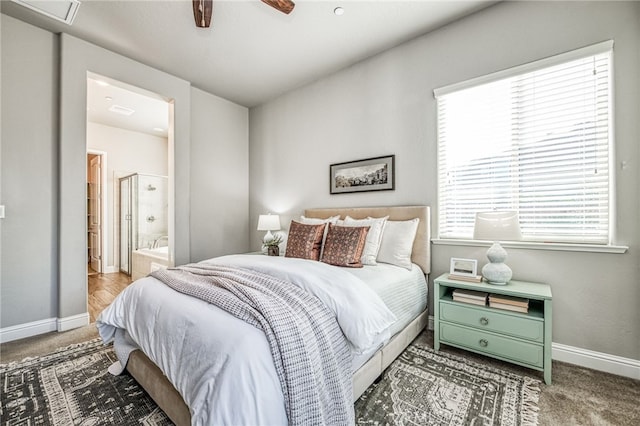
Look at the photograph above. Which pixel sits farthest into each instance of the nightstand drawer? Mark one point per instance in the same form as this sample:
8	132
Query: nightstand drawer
489	343
493	320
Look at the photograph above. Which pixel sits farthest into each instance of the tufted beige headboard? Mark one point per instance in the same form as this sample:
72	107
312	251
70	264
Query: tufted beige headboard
421	254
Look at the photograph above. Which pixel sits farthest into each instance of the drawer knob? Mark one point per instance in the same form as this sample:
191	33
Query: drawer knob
483	343
484	321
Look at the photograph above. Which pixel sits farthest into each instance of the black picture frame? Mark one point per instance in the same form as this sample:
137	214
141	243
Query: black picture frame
369	174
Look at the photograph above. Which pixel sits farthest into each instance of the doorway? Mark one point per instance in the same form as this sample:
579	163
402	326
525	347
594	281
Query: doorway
95	215
132	127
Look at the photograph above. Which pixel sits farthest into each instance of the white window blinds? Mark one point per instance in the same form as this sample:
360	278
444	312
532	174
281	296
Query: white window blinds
534	139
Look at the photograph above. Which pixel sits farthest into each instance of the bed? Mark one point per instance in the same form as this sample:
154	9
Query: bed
368	365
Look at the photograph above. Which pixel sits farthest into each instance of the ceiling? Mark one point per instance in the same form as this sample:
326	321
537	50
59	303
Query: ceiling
109	102
251	53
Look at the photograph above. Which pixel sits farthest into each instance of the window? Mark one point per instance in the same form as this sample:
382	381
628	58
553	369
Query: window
535	139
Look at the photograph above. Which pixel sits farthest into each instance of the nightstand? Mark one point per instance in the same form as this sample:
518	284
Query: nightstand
520	338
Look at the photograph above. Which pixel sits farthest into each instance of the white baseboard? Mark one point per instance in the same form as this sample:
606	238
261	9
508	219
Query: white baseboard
34	328
110	269
596	360
74	321
613	364
20	331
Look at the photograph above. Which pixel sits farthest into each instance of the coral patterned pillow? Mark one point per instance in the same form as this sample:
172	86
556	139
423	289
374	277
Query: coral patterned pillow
304	241
344	245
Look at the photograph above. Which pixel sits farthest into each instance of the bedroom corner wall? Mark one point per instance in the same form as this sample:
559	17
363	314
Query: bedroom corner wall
385	105
219	170
29	173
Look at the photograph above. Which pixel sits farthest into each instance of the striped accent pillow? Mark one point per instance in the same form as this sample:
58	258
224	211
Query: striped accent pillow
304	241
344	245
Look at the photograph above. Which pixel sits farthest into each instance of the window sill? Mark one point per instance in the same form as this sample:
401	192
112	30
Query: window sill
592	248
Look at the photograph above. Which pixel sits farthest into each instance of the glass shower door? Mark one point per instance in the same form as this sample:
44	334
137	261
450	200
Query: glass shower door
125	225
143	215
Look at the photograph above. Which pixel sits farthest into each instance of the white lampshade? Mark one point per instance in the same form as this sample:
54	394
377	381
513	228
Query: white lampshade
268	222
497	226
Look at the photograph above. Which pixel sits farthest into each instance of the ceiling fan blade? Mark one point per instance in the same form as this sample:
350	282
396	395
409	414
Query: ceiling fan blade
284	6
202	11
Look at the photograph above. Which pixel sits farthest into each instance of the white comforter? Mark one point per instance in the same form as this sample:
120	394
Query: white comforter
222	366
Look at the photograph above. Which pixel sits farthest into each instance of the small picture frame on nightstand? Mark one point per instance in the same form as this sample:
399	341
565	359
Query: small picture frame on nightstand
463	267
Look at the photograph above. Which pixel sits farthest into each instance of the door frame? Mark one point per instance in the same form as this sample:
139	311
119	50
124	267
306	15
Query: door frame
103	201
78	58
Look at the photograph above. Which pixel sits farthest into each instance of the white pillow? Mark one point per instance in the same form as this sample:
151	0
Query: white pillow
316	221
397	242
374	237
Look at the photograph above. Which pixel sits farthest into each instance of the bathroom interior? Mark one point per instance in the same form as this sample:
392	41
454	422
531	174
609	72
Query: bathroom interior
128	236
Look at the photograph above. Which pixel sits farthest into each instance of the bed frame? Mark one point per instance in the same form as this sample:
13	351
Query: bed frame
151	378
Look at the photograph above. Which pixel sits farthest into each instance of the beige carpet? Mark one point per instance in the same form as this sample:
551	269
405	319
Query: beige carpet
45	343
578	396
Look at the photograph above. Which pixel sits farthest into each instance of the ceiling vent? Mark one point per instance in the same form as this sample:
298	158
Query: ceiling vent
60	10
121	110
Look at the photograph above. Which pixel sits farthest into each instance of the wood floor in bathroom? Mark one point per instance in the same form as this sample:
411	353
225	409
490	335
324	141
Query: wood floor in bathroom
103	288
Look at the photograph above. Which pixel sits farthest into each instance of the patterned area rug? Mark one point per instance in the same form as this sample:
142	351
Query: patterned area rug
423	387
72	387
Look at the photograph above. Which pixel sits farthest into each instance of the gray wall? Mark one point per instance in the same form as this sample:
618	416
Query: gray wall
385	105
219	170
44	175
29	173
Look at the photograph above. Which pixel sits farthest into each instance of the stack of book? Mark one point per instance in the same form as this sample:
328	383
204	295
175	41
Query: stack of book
470	296
466	278
510	303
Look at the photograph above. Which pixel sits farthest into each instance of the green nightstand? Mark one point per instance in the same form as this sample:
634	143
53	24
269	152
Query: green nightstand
519	338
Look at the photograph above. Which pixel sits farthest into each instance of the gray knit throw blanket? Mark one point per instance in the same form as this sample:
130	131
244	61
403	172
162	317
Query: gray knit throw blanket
311	354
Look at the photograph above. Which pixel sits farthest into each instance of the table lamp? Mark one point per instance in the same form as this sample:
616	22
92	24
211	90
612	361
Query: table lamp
268	222
497	226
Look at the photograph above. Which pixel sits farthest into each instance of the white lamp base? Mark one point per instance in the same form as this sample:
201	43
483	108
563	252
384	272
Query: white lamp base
267	237
496	272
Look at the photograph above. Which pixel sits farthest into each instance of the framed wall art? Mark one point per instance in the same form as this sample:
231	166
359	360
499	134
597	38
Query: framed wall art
370	174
